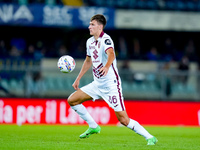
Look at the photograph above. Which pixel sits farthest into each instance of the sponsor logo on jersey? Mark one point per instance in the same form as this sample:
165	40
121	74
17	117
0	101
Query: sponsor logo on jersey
96	61
107	42
91	47
95	52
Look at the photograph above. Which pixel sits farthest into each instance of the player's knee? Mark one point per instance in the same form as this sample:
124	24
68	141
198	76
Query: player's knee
73	99
70	101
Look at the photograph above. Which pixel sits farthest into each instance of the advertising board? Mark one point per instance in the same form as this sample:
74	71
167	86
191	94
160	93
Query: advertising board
50	111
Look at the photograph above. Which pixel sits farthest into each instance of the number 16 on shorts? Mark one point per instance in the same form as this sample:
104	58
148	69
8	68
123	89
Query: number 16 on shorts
113	99
116	103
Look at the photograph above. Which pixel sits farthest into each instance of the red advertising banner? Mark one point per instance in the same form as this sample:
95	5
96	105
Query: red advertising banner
49	111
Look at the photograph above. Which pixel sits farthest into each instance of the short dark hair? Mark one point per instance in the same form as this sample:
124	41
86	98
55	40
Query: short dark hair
100	19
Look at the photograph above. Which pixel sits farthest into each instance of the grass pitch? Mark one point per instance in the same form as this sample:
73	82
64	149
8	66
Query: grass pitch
56	137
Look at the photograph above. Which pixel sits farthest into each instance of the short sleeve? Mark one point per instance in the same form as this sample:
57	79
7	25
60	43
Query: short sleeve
108	43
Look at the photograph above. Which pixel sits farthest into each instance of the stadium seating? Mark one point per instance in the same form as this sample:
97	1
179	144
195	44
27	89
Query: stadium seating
176	5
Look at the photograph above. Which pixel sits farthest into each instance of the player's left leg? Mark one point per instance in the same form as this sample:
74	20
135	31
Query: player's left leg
75	100
135	126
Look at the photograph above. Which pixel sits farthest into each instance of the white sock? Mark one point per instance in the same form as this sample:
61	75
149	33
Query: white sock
135	126
83	113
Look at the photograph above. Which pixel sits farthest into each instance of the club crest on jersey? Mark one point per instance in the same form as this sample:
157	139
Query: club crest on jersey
95	52
107	42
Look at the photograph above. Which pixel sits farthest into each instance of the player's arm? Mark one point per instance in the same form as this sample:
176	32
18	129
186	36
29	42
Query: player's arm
85	67
111	57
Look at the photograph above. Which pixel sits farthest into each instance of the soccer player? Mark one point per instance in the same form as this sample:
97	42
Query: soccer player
106	84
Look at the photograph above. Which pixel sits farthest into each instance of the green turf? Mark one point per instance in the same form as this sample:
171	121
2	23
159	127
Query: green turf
52	137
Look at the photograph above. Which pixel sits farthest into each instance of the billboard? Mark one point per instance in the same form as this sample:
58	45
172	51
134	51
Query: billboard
46	15
50	111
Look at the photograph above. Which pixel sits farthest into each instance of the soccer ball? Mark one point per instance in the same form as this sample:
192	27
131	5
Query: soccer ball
66	64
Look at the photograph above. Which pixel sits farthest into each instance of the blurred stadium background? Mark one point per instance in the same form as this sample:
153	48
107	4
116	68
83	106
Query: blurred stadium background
156	42
158	52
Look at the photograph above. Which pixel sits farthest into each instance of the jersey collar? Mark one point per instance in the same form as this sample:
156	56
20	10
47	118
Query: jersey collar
102	33
100	36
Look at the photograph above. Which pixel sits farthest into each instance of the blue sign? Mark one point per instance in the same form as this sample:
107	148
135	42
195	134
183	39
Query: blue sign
45	15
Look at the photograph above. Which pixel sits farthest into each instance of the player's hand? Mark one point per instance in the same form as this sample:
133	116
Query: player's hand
103	71
76	84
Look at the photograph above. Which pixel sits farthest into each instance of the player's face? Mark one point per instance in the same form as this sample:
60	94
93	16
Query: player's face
94	27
